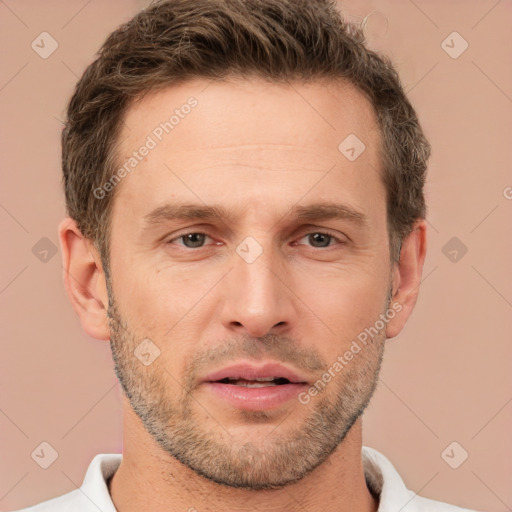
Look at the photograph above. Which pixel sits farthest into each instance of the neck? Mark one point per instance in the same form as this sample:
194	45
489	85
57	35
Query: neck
147	475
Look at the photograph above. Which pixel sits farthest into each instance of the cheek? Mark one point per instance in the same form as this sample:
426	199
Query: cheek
344	303
168	307
153	291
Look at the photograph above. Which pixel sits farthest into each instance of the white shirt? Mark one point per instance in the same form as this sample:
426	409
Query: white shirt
381	478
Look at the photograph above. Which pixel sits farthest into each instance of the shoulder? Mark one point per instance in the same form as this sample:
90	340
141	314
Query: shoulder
428	505
73	500
384	481
92	496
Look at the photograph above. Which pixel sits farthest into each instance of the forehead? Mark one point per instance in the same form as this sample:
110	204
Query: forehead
245	139
267	112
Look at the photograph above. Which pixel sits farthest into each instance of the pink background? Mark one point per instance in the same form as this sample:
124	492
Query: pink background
445	378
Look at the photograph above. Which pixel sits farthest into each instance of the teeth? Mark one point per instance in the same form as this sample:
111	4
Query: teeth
262	379
256	382
247	384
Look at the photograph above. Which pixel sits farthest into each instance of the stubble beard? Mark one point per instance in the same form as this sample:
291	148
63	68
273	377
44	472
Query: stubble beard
286	456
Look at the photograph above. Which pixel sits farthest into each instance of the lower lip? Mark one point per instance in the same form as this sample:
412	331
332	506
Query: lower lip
256	399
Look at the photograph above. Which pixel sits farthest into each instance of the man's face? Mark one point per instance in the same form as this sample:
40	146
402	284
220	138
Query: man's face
274	282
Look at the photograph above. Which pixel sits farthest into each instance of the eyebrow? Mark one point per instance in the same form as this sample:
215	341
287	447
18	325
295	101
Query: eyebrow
312	212
171	212
327	211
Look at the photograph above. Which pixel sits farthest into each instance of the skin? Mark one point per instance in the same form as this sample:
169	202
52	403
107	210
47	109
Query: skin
256	149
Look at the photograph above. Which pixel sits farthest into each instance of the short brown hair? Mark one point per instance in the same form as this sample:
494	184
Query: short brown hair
172	41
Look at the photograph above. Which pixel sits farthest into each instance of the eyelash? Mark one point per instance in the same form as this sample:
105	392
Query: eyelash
325	233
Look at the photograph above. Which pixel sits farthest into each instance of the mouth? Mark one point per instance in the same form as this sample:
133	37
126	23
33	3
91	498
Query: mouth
250	387
250	375
255	383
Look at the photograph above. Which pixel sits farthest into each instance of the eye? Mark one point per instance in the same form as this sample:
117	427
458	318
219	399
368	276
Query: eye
191	240
319	239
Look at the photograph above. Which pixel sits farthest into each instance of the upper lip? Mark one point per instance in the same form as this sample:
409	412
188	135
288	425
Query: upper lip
248	371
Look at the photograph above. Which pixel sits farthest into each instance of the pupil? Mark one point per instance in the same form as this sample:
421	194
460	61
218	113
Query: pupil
194	239
319	239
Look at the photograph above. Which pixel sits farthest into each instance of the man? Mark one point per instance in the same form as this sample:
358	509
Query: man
244	183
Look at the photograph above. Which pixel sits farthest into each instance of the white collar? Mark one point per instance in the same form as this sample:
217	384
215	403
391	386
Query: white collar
381	478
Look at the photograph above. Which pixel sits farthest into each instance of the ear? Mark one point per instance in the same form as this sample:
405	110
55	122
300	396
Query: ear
84	280
407	277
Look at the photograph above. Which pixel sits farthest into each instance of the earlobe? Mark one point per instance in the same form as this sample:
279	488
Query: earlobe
407	277
84	280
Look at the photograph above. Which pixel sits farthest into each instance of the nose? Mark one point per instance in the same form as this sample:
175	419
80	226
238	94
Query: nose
257	298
